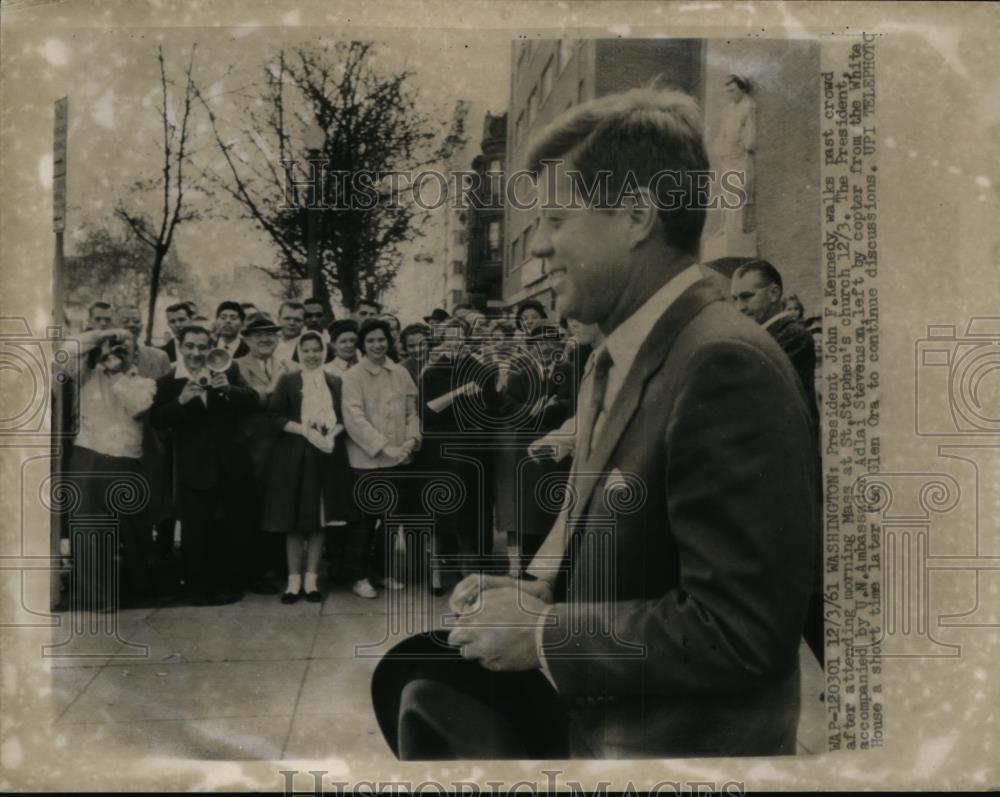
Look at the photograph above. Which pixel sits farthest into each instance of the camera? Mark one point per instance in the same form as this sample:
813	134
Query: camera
958	380
114	358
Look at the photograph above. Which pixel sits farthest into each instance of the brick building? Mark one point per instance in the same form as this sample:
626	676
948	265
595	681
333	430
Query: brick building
549	76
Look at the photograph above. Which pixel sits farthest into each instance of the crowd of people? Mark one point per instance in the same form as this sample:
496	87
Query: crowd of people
251	435
255	436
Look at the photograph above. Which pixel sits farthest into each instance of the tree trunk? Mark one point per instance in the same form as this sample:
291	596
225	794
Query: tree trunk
154	289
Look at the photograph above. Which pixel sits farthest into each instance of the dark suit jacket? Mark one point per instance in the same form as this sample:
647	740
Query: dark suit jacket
208	445
796	341
700	559
242	349
170	347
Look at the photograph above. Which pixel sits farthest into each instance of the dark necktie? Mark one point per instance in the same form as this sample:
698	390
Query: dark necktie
598	387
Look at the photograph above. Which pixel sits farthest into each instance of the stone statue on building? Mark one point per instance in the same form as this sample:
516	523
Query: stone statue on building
733	232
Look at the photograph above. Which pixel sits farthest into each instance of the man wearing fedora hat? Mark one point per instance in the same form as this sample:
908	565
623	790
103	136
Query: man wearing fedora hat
260	369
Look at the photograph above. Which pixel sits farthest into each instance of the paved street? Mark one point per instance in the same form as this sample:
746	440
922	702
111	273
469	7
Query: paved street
256	680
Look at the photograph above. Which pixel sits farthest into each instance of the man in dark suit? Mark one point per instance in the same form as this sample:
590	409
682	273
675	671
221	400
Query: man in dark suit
202	410
260	369
757	291
178	317
666	611
229	320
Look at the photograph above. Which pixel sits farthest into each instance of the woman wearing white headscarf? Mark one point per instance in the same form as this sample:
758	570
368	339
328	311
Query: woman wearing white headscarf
310	485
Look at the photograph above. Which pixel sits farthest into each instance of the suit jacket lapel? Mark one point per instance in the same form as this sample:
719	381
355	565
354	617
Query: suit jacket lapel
652	353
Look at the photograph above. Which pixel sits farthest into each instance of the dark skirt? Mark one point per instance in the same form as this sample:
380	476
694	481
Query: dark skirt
299	478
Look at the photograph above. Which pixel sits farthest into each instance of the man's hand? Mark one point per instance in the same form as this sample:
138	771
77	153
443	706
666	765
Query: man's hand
499	631
549	447
218	380
191	390
467	591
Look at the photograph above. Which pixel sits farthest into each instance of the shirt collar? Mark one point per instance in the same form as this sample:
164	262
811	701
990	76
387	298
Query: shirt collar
777	317
373	369
623	344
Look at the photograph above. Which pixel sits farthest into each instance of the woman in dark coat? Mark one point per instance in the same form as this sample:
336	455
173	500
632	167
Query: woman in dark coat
310	485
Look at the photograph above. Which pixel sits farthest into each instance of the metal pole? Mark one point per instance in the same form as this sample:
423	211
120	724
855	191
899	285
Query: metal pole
312	236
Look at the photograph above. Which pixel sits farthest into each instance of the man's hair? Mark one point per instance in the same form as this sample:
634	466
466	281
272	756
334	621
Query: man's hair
314	300
236	307
192	329
642	132
413	329
292	305
763	269
176	308
245	305
369	326
369	302
192	306
98	305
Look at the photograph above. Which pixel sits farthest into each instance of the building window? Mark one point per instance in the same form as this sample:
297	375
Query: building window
493	241
458	267
526	242
457	297
547	76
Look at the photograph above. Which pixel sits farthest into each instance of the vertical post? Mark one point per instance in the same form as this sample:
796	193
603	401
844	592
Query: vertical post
59	160
314	138
312	250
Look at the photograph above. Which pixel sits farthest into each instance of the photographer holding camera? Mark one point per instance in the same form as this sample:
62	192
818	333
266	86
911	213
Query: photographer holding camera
113	400
201	404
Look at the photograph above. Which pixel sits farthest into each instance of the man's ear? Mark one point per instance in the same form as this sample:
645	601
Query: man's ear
641	214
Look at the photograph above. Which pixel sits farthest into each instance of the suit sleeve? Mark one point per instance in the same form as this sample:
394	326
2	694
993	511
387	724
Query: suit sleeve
242	397
167	412
739	486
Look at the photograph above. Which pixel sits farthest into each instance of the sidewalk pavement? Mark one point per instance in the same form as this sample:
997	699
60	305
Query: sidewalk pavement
257	680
